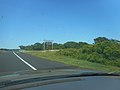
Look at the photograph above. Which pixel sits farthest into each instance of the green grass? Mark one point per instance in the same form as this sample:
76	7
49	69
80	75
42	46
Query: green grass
74	62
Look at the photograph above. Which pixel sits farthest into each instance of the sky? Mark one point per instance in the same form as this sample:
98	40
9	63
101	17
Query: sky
25	22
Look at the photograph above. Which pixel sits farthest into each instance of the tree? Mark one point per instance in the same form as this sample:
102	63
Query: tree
71	45
82	44
100	39
22	47
58	46
37	46
115	41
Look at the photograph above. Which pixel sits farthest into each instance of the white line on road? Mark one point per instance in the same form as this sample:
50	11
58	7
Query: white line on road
25	61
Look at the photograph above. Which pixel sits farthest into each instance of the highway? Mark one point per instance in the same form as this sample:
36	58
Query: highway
17	61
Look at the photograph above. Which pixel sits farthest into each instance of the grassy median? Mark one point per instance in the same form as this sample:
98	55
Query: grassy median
51	55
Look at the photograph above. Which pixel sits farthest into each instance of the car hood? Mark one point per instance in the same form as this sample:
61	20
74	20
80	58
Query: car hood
40	73
13	79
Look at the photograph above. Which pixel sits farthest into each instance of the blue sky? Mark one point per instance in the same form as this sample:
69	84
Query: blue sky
25	22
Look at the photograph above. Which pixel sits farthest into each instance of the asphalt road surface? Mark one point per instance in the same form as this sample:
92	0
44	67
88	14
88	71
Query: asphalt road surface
17	61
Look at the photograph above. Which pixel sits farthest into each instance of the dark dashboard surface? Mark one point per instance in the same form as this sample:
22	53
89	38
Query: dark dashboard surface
87	83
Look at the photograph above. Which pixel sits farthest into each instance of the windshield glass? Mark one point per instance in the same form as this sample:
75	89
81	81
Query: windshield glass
59	34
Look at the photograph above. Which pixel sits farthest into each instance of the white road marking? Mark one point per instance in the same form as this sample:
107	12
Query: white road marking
25	61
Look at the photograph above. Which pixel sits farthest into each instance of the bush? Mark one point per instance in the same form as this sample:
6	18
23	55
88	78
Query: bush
75	53
107	53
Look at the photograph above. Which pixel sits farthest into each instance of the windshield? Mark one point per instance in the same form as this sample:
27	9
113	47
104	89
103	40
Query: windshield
59	34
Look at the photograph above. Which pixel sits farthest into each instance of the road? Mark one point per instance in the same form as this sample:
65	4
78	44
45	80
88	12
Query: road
17	61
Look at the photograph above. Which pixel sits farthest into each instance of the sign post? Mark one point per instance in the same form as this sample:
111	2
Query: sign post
48	43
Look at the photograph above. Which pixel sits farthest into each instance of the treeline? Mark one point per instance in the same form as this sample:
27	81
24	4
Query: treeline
5	49
40	46
105	51
71	44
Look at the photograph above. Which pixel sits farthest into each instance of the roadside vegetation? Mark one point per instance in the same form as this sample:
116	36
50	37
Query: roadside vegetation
104	54
83	64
